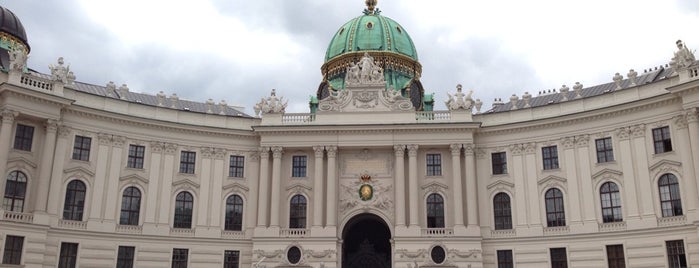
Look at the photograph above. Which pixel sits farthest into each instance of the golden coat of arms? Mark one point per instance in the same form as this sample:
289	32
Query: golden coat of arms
366	192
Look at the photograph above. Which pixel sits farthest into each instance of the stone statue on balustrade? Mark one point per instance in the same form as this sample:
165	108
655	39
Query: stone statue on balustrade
683	58
18	59
60	72
459	100
365	72
271	104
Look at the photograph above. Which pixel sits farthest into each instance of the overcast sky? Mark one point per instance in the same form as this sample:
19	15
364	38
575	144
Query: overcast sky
238	50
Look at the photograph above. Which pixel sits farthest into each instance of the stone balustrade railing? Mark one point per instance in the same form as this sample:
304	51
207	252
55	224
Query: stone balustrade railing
36	83
432	116
293	232
558	230
437	232
181	231
129	229
298	118
612	226
18	216
68	224
503	233
232	234
672	221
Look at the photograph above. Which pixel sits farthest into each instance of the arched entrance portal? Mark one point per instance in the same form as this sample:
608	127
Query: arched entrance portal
366	243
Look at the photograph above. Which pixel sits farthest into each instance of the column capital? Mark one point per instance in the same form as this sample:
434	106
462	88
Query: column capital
516	149
412	150
399	150
8	115
104	138
455	149
254	155
469	149
692	115
529	148
264	152
332	150
51	125
638	130
170	148
582	140
206	152
623	133
318	150
118	141
157	146
219	153
277	151
568	142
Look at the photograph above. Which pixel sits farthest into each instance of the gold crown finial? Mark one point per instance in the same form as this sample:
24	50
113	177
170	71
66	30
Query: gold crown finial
370	4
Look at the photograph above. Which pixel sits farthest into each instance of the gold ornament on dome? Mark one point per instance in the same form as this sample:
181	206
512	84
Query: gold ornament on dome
370	4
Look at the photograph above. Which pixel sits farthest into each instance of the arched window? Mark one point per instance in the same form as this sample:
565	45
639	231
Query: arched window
130	206
611	202
184	203
15	191
670	202
555	213
502	211
297	212
234	213
75	201
435	211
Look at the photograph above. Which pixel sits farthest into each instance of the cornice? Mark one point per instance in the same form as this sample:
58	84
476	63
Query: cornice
120	119
580	117
464	127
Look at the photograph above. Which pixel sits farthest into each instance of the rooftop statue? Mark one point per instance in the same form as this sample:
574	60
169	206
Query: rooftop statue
18	59
365	72
60	72
459	100
683	57
272	104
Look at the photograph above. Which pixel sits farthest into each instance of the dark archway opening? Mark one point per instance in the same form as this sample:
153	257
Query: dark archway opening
366	243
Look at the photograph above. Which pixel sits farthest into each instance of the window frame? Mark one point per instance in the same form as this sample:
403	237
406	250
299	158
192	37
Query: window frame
233	220
298	212
24	137
73	207
557	217
549	157
561	259
14	198
499	167
188	162
236	166
299	166
680	253
136	156
662	140
12	252
433	164
128	260
180	258
434	211
506	259
68	261
611	207
231	259
674	203
81	148
131	214
184	210
605	150
615	256
502	211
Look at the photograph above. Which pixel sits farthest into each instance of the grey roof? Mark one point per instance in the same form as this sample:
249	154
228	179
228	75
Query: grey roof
546	99
151	100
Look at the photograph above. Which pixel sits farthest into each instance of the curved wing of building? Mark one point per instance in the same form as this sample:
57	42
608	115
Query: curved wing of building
372	176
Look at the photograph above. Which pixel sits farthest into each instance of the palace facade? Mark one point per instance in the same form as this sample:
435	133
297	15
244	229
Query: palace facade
372	176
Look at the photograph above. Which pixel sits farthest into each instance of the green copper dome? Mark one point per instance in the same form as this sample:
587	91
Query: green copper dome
371	32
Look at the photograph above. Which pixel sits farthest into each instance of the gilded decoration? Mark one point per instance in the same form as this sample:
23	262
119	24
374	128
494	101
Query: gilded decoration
366	192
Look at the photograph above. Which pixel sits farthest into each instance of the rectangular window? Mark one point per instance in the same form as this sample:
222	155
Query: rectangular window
179	257
559	258
13	250
136	154
675	254
125	257
550	156
605	153
434	164
23	137
661	140
81	148
505	259
298	167
615	256
69	255
231	259
237	165
499	163
187	162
